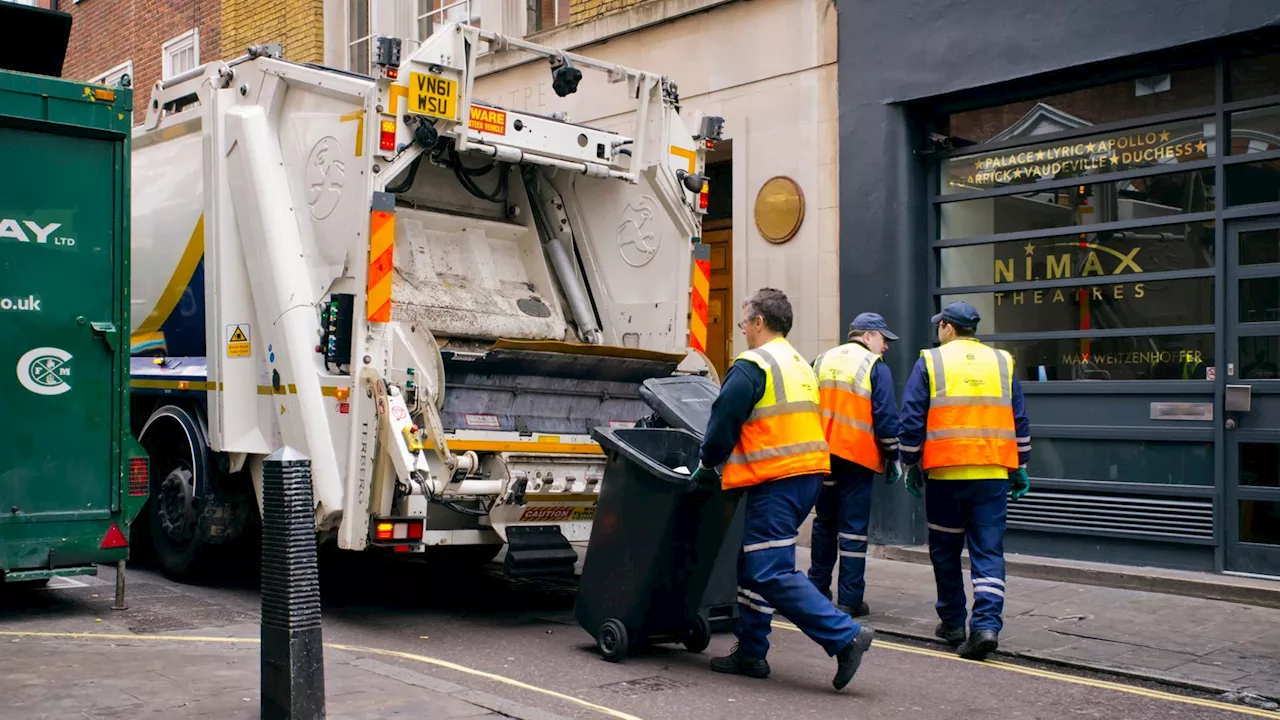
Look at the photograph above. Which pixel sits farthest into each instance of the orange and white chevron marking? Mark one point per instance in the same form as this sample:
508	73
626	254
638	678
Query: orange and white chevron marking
382	235
699	297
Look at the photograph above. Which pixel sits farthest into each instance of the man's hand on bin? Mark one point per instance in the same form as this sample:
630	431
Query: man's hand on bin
705	476
1019	483
915	480
893	472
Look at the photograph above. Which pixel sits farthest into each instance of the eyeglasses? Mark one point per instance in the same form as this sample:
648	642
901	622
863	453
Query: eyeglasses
742	324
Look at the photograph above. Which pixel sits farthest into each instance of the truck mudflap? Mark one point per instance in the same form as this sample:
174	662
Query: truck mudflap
538	551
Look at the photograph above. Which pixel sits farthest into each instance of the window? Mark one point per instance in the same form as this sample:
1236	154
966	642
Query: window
1123	100
181	54
358	36
1153	196
1254	77
1166	144
546	14
1149	461
116	75
431	14
1093	256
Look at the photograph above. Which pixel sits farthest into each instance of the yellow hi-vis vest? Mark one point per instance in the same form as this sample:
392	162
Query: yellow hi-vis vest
844	389
969	432
783	435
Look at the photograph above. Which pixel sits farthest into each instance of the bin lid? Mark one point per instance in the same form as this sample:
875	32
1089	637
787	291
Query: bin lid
682	401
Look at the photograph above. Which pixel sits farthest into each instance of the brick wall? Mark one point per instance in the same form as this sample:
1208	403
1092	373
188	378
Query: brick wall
298	25
107	33
584	10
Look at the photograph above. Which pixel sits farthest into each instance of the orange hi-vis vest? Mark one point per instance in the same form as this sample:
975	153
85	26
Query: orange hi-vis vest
844	389
970	427
783	435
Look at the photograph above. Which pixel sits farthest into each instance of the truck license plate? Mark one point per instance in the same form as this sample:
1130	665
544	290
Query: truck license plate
433	96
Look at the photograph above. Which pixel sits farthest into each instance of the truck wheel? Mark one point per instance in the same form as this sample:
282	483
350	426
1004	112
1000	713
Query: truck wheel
699	636
612	640
173	440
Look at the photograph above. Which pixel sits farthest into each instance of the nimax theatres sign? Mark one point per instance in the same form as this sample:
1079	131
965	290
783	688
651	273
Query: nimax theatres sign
1064	260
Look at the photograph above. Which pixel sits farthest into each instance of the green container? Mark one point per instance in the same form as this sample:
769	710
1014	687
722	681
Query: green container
66	451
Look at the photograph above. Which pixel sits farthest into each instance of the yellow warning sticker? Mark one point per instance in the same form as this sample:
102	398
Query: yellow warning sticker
238	341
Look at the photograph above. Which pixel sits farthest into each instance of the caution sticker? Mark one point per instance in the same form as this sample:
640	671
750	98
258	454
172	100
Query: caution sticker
488	120
238	340
557	513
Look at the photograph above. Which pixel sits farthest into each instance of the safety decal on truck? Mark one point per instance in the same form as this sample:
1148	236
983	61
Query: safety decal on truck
45	371
557	513
482	421
488	120
238	341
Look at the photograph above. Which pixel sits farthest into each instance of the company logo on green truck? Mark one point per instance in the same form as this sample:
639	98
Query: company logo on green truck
45	370
31	231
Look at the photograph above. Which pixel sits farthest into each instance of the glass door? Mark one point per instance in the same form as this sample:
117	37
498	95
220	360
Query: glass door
1252	398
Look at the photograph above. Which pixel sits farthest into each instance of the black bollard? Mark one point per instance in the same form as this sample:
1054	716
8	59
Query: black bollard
292	649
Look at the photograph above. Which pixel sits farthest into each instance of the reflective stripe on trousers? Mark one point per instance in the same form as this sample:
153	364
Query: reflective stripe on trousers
840	532
972	511
768	581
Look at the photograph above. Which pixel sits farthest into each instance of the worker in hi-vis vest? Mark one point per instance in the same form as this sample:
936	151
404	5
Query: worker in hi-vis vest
860	420
766	431
966	440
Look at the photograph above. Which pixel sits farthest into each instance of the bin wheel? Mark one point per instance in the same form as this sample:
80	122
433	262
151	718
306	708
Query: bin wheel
612	640
699	635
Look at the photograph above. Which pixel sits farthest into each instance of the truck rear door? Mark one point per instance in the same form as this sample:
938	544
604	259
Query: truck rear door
61	309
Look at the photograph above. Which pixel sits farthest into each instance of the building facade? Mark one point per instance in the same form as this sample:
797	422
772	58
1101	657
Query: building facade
1102	181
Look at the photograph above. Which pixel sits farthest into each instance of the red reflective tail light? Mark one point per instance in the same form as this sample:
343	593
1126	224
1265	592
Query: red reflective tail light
139	474
415	531
113	539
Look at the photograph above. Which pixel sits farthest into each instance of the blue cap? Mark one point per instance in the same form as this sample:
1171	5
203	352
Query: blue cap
871	321
958	313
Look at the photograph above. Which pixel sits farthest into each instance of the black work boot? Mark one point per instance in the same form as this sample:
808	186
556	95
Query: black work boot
980	644
850	657
952	635
859	610
735	663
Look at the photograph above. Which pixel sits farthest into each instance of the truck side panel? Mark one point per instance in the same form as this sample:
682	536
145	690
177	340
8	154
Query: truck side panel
64	252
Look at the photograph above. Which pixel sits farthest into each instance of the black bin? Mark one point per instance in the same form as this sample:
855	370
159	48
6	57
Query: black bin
656	543
684	401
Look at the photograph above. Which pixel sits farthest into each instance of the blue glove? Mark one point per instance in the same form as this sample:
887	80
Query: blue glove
892	472
915	480
705	476
1019	483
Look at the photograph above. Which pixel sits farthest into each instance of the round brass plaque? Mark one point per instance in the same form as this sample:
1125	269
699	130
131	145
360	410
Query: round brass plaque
779	209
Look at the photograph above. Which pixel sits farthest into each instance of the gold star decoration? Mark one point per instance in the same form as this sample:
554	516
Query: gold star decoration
1115	159
1164	136
1031	249
1090	147
1040	155
1201	146
978	164
1017	173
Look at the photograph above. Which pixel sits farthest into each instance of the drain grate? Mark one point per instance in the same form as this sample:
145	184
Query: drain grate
643	686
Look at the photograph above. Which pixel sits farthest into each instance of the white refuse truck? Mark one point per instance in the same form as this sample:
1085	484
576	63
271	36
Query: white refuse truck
431	298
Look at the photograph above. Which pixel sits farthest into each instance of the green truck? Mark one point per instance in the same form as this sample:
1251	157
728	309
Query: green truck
72	476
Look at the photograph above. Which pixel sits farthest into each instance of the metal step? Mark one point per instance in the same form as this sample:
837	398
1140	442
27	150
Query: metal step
538	551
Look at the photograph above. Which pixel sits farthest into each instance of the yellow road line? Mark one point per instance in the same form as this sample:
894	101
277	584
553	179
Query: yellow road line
336	646
1062	677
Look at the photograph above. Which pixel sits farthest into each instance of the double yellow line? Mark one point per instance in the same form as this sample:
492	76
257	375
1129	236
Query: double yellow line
1063	677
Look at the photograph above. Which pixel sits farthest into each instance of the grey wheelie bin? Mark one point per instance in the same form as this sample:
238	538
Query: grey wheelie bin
658	541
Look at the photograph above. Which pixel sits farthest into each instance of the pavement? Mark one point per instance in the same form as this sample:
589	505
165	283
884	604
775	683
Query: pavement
406	644
1210	645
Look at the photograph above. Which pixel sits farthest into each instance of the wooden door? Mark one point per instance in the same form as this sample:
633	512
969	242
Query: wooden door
721	315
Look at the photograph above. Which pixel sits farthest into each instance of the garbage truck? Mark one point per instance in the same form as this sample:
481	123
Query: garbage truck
433	298
72	476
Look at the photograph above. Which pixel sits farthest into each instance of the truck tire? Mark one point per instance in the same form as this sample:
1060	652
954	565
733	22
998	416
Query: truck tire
179	473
